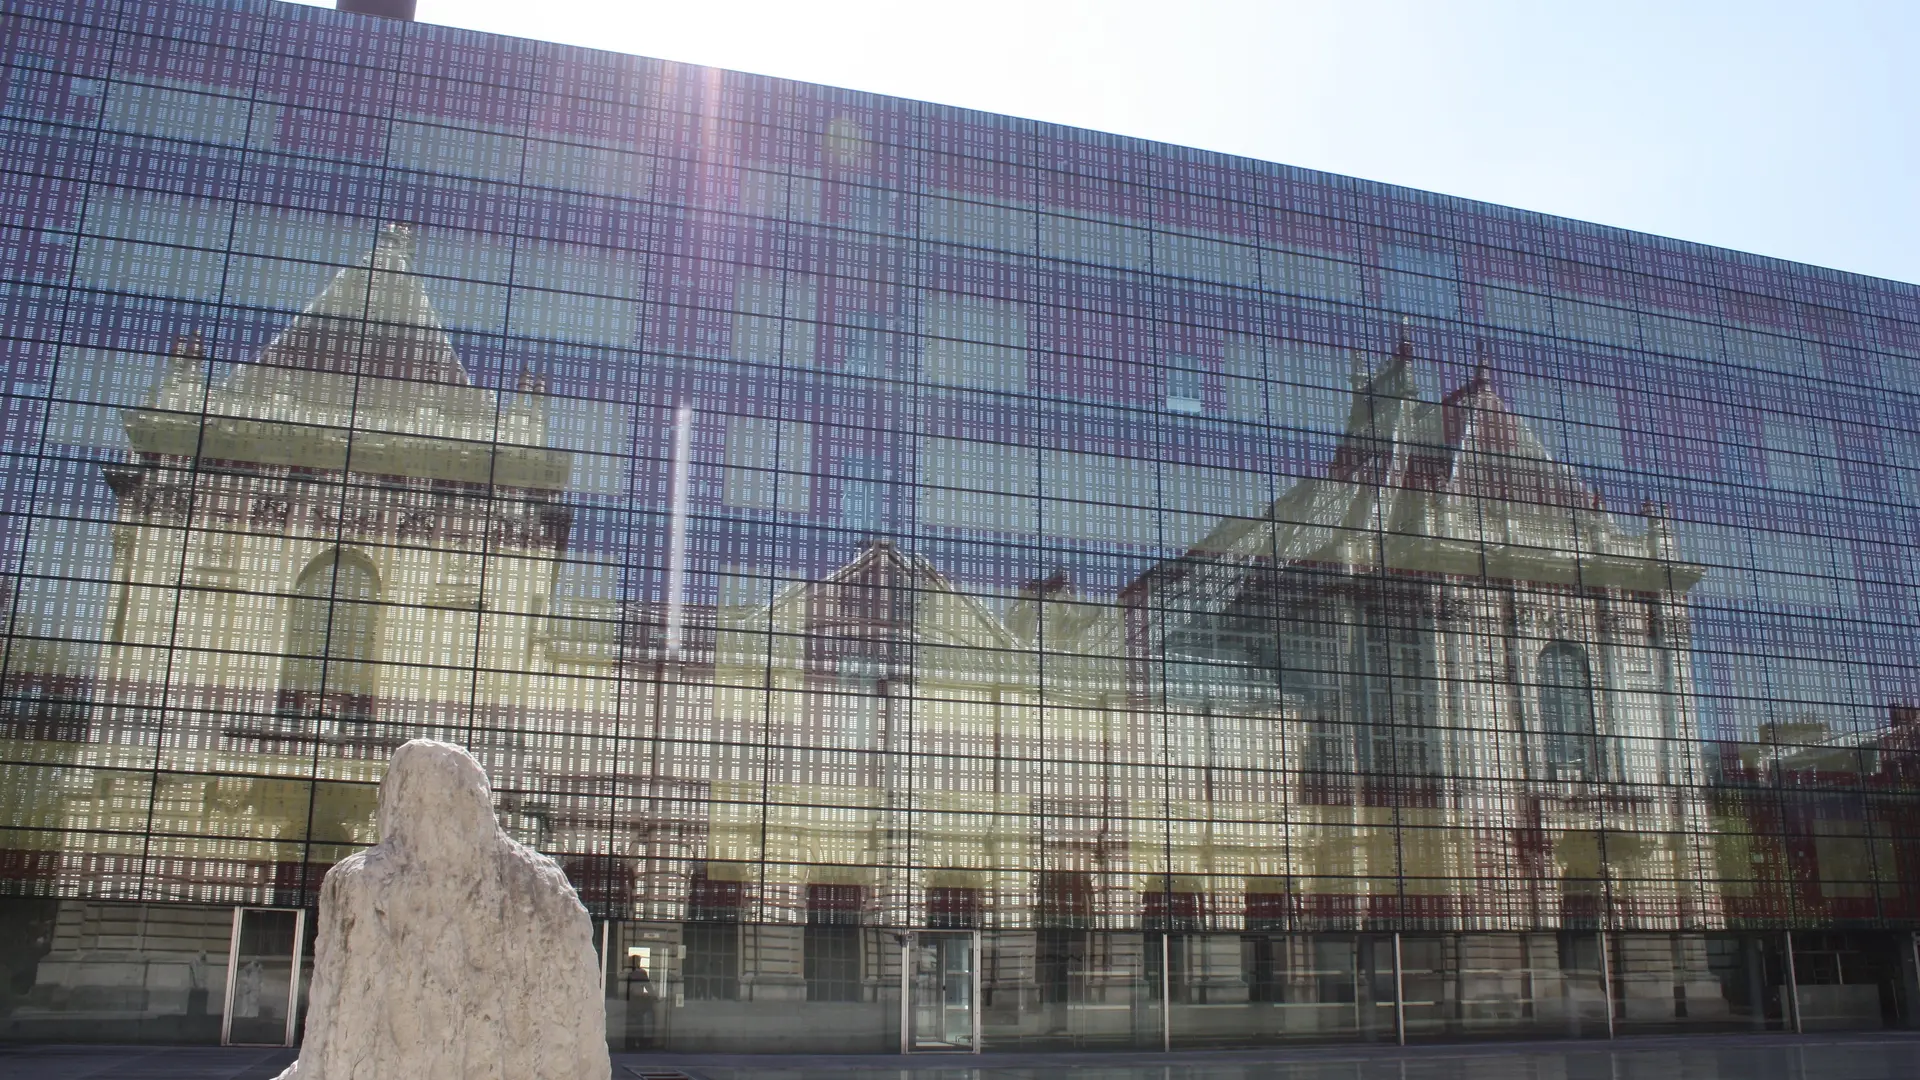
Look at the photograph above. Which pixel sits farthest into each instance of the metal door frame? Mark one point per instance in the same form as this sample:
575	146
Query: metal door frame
293	980
909	939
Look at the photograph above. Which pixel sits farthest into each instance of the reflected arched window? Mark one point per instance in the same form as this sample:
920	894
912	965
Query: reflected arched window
1327	655
333	639
1566	713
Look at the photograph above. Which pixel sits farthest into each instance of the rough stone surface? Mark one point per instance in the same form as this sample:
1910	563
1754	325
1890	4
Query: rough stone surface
449	951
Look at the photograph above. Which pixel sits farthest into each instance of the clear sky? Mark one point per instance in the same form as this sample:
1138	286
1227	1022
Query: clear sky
1788	129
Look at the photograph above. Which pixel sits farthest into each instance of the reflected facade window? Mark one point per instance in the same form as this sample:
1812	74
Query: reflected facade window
1569	734
332	660
832	945
711	939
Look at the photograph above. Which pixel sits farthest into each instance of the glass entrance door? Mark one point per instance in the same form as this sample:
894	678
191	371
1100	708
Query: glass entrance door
942	980
643	984
262	992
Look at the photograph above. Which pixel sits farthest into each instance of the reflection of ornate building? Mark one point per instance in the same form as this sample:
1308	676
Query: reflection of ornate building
325	551
1438	686
1485	681
917	576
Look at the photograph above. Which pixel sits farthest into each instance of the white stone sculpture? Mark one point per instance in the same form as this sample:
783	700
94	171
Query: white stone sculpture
449	951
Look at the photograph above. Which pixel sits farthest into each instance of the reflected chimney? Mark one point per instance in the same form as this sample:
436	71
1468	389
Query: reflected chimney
387	9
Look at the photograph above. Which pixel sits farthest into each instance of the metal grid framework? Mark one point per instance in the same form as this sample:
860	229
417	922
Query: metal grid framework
824	509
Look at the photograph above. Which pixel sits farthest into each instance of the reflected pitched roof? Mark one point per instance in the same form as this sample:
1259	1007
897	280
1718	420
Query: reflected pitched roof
365	378
368	351
1462	486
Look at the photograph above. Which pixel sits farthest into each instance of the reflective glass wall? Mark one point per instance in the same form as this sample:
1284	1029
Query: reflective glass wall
837	521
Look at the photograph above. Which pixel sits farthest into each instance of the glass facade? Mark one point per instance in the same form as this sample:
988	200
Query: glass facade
933	580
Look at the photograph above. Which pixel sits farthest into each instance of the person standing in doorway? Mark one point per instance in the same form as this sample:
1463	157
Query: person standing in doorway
639	996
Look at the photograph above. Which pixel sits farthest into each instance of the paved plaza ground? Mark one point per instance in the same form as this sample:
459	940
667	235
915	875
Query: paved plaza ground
1879	1056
